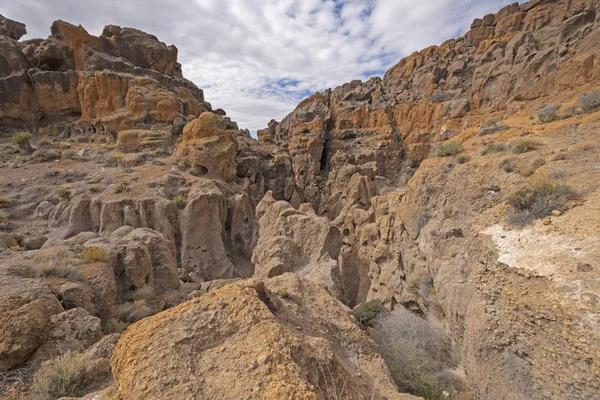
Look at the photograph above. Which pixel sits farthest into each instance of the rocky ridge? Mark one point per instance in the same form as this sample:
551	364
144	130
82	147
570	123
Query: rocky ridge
164	199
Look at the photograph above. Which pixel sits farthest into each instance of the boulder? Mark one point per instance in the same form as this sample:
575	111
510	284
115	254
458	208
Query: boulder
284	339
34	243
71	331
209	148
12	29
293	241
26	310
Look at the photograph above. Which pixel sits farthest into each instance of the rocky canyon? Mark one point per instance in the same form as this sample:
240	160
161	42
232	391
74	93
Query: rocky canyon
432	233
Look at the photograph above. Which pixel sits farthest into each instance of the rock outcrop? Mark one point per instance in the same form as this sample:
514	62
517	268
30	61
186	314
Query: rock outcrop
284	338
506	62
123	79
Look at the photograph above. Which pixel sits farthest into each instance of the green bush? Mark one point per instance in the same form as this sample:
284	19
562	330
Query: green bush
590	101
537	199
4	216
418	353
368	312
179	200
22	139
449	149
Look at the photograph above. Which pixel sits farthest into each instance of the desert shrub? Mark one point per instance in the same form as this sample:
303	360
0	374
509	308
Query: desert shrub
93	254
5	203
22	139
557	173
463	159
494	148
417	352
67	375
537	199
368	312
58	263
509	165
133	311
492	126
590	101
548	113
17	248
179	200
64	194
121	187
4	217
525	146
449	149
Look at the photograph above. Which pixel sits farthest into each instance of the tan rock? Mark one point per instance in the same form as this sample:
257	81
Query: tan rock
257	352
209	147
293	241
26	310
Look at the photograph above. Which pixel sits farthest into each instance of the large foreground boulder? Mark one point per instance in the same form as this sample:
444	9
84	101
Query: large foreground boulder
286	338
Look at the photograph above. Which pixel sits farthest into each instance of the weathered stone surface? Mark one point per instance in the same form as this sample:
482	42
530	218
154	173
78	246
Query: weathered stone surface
138	140
292	241
202	231
26	310
121	80
74	330
12	29
254	351
209	147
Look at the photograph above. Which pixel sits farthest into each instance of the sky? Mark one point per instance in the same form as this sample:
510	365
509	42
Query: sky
257	59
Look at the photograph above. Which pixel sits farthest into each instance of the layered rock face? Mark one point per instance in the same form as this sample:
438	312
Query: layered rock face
429	233
153	198
122	80
506	61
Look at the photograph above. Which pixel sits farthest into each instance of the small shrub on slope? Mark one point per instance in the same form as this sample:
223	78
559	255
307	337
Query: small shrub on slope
419	353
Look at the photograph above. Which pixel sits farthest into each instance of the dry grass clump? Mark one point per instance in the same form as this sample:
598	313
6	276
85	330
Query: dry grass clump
492	126
121	187
525	146
5	203
419	354
494	148
449	149
93	254
590	101
179	200
68	375
132	311
548	113
58	263
538	199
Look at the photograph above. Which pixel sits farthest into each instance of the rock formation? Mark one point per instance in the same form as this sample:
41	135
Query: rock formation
232	264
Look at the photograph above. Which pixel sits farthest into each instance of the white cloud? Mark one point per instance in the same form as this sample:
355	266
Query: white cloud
258	58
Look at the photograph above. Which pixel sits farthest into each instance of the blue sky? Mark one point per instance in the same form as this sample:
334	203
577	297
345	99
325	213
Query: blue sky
257	59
